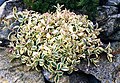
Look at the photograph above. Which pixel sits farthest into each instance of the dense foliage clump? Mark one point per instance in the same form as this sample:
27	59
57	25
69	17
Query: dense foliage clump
56	41
89	7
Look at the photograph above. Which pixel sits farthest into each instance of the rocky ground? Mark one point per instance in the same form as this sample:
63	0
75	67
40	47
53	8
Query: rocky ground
15	72
106	72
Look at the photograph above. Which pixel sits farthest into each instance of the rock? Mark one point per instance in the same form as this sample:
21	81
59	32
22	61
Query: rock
47	75
108	10
6	11
75	77
102	2
117	16
7	7
4	42
116	47
105	69
81	77
113	2
16	72
109	20
115	36
4	33
109	27
1	1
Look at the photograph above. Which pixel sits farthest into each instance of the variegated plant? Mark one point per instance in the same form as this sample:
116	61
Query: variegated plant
56	41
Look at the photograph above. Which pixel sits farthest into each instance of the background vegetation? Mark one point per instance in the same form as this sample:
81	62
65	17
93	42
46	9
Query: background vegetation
88	7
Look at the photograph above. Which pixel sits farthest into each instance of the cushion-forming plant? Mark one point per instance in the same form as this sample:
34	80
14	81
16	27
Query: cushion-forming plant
56	41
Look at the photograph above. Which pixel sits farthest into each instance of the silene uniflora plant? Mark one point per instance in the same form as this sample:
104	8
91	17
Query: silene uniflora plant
56	41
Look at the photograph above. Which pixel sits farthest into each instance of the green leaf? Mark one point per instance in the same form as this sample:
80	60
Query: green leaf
73	61
22	51
34	48
109	58
41	62
29	52
59	73
53	64
110	55
63	59
37	41
19	46
50	69
42	56
17	56
56	57
59	65
108	46
15	12
56	79
69	60
65	68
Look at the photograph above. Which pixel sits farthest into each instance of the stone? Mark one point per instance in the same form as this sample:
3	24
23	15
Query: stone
16	72
82	77
113	2
115	36
6	11
111	29
1	1
115	46
106	11
104	70
109	20
75	77
115	16
7	7
4	33
109	10
102	2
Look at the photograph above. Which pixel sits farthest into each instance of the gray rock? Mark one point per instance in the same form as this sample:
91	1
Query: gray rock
109	20
116	46
1	1
105	11
75	77
16	72
105	69
6	11
4	33
7	7
113	2
109	27
115	36
110	9
115	16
